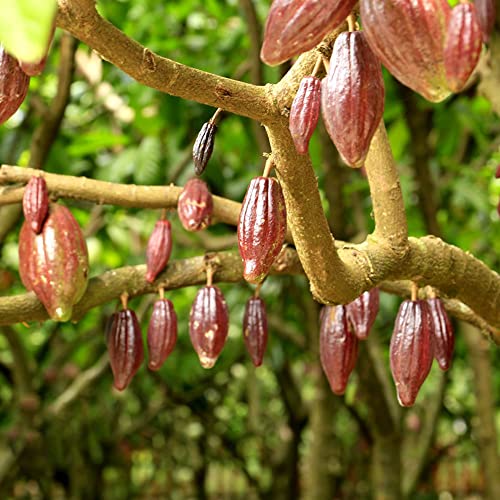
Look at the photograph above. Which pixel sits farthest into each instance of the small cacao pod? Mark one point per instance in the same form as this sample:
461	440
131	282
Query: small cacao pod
486	13
158	250
208	324
255	329
408	37
261	227
294	26
36	203
162	333
125	348
304	112
195	205
14	84
362	312
462	46
338	347
352	98
54	264
442	333
203	147
411	350
497	172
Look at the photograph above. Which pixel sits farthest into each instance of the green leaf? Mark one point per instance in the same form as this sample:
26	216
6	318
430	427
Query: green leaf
25	27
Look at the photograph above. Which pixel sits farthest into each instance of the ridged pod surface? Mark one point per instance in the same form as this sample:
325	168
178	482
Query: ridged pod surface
195	205
304	112
125	348
363	311
54	264
411	349
159	249
14	84
486	13
203	147
408	37
294	26
162	333
208	324
338	347
352	98
442	333
255	329
261	227
36	203
462	46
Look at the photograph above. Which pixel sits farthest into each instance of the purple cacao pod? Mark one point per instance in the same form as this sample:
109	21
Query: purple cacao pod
486	13
36	203
352	98
261	227
411	349
208	324
54	264
442	333
462	46
255	329
294	26
338	347
162	333
14	84
203	147
158	250
125	348
304	112
362	312
195	205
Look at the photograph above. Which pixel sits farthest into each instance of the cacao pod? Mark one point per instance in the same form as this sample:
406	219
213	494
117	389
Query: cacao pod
462	46
486	13
35	68
14	84
408	37
497	172
411	349
125	348
261	227
362	312
54	264
195	205
208	324
294	26
338	347
162	333
203	147
255	329
36	203
158	250
304	112
442	333
352	98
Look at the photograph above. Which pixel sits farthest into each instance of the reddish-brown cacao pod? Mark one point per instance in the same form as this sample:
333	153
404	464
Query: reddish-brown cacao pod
352	98
442	333
294	26
411	350
195	205
36	203
125	348
203	147
208	324
304	112
408	37
486	13
362	312
54	264
14	84
158	250
261	227
255	329
338	347
162	333
462	46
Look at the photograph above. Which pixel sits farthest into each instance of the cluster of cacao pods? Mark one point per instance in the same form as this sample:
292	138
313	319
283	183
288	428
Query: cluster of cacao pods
53	257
